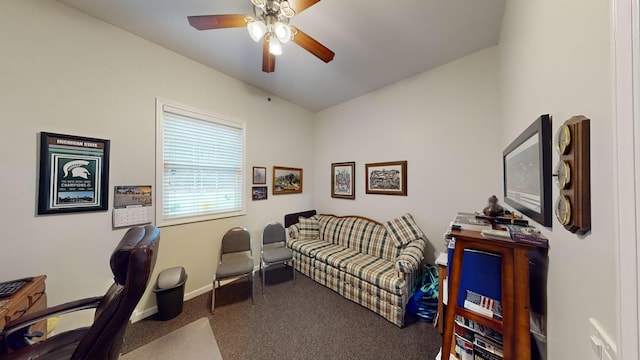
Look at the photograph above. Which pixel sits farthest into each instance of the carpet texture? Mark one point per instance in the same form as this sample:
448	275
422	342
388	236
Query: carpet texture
191	342
305	321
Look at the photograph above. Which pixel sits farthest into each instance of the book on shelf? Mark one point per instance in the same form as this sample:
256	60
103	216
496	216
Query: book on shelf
480	353
479	329
464	332
468	221
464	347
483	305
489	346
527	235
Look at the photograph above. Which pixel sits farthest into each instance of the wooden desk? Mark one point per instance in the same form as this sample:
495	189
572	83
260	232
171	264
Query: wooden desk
515	294
442	274
30	298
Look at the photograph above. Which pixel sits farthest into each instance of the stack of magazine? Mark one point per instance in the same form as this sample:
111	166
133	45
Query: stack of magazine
475	341
483	305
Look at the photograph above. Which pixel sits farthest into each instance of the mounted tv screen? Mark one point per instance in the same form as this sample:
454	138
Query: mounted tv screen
527	172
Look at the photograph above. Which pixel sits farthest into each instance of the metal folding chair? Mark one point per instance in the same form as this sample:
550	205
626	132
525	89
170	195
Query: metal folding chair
274	233
236	240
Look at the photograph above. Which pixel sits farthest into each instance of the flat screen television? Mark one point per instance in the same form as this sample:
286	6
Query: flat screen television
527	172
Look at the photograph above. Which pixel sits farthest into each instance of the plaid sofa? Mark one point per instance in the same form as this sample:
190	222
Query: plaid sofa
361	259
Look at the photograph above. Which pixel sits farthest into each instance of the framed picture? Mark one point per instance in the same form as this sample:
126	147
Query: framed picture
527	172
287	180
389	178
74	174
343	184
259	175
259	193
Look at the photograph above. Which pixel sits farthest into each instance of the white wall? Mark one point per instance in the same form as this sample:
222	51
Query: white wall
63	71
443	122
555	58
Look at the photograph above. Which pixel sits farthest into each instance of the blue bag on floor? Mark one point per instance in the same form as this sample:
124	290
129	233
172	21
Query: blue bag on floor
424	301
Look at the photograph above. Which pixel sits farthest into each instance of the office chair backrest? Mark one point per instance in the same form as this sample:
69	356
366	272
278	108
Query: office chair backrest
132	264
236	240
273	233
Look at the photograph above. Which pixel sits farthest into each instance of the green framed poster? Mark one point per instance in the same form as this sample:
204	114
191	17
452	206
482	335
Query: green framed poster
74	174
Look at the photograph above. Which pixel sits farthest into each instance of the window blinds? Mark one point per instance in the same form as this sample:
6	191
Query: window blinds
202	165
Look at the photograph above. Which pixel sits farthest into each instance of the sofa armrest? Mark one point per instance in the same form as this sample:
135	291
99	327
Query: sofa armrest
294	231
410	257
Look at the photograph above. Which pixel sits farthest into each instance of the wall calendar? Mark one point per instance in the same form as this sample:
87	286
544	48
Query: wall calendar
132	205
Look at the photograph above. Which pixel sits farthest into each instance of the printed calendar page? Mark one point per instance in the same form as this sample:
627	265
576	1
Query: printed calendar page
132	205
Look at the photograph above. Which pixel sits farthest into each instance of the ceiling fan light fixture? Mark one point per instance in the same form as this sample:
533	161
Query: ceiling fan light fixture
256	29
275	47
286	10
282	31
259	3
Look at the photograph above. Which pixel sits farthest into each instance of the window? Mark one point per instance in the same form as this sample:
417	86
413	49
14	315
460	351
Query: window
199	165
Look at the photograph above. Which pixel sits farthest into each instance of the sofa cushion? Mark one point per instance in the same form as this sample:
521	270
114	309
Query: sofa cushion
358	234
376	271
308	229
307	247
336	256
403	230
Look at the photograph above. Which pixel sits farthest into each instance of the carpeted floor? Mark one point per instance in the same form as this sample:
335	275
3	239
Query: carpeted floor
305	321
191	342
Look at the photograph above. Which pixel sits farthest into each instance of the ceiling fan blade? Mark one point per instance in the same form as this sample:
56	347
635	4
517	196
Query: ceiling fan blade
268	59
313	46
206	22
301	5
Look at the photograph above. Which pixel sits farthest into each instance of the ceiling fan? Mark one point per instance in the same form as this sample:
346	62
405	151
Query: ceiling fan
270	23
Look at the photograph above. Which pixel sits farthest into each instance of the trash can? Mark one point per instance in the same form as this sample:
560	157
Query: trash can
170	292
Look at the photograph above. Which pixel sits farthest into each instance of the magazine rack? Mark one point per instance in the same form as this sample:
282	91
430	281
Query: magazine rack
514	325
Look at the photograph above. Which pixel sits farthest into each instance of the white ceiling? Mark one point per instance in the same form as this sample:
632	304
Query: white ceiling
376	42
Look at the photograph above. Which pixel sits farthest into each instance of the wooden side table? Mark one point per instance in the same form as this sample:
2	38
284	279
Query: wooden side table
442	274
30	298
515	294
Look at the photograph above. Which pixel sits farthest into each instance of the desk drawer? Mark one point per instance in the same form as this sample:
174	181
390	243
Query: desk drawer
17	309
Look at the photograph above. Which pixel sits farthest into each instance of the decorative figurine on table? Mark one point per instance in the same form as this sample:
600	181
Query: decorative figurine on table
493	209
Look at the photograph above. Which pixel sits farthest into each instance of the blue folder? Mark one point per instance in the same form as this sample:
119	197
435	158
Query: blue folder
481	273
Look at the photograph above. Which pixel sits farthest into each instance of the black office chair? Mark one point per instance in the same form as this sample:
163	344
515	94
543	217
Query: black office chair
132	264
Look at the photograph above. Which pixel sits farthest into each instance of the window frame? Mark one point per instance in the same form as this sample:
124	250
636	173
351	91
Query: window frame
159	164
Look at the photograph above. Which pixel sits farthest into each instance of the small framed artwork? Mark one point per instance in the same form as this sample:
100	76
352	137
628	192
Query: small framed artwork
287	180
259	175
74	174
259	193
389	178
343	184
